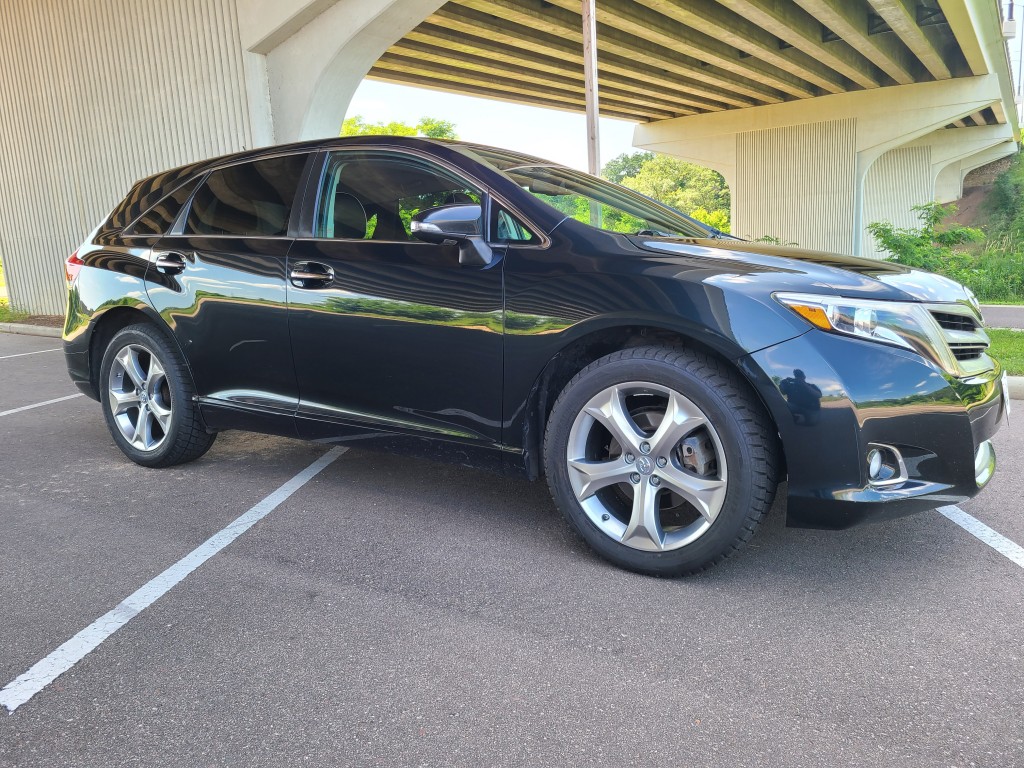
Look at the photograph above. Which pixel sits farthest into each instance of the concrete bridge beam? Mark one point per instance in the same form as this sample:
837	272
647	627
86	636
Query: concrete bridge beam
805	171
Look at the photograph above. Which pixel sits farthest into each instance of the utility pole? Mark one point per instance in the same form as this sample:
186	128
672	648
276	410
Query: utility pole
590	83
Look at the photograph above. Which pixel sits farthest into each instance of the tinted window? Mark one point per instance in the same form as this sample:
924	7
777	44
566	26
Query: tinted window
374	195
158	219
600	203
247	200
509	228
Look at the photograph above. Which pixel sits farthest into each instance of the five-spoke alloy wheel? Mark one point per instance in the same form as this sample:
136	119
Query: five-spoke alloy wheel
662	458
148	399
140	397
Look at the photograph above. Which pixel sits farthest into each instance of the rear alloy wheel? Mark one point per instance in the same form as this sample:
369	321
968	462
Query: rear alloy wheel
140	397
661	458
148	400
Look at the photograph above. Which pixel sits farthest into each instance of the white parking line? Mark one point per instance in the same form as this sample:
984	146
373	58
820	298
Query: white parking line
39	405
44	672
979	530
26	354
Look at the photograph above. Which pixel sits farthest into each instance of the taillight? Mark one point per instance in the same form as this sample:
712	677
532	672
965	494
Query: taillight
72	266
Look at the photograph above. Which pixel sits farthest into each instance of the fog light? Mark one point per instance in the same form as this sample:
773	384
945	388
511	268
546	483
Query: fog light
885	466
984	463
874	463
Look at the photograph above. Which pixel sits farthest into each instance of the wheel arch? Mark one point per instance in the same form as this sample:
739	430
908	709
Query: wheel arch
603	338
107	324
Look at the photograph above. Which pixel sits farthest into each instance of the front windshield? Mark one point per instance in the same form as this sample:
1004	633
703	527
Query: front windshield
589	199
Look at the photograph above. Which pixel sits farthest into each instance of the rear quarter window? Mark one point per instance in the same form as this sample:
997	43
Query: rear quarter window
158	219
251	199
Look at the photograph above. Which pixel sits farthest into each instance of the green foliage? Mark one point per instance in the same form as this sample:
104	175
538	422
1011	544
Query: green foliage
625	165
928	246
8	315
431	127
435	128
993	271
1007	202
696	191
1008	348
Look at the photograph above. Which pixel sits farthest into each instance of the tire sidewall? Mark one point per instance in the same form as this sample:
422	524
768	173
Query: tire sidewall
723	533
156	345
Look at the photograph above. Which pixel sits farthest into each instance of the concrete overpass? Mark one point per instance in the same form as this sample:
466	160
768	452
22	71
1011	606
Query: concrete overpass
823	115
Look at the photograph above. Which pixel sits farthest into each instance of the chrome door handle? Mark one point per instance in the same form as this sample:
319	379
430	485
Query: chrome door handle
170	263
311	274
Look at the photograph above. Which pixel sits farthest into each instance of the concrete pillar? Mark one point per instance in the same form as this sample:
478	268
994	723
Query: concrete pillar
817	171
306	58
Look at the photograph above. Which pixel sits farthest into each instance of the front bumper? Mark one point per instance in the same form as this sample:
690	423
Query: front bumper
833	398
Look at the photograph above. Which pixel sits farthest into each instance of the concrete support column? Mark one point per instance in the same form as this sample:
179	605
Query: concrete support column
306	58
817	171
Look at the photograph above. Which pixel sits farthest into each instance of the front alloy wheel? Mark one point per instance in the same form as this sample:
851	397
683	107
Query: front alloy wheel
662	458
647	466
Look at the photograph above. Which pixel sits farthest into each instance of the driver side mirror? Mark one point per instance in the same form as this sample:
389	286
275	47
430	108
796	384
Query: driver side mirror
459	224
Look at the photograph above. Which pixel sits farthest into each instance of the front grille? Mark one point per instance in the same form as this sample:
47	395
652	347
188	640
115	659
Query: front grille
968	351
951	322
964	334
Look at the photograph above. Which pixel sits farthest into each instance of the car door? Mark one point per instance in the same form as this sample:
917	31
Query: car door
392	336
218	279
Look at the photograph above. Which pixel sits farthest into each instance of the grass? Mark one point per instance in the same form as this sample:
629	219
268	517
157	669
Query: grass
1008	348
8	315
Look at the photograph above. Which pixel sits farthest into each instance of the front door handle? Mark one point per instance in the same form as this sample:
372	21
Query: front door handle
169	262
311	274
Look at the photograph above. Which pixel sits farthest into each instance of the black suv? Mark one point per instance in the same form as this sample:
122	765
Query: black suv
484	307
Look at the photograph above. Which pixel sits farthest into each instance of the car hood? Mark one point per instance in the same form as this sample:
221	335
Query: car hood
846	275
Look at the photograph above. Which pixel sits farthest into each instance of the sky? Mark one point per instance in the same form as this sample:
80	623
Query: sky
547	133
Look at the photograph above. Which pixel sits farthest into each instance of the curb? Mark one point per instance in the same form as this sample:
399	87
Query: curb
30	330
1016	387
1016	382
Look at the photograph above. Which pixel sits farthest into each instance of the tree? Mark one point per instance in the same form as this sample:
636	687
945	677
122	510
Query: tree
430	127
625	165
928	246
693	189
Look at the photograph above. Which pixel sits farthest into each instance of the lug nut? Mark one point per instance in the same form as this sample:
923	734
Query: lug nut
655	481
635	477
605	517
662	461
645	447
630	458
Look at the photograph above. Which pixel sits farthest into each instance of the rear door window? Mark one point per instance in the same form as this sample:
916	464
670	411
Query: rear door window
253	199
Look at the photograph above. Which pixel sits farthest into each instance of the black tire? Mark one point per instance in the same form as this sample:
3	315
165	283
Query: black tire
743	432
185	438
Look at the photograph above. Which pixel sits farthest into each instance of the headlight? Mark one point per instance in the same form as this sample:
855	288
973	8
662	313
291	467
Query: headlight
900	324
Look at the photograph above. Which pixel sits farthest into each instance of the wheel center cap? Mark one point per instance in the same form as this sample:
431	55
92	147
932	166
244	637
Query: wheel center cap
143	397
644	465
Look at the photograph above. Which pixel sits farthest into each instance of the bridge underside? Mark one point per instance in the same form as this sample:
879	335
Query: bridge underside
823	115
660	59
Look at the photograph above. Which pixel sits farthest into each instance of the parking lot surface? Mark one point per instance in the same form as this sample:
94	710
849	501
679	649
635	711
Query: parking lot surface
395	612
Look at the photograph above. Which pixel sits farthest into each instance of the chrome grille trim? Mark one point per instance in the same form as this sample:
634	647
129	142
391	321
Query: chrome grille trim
963	331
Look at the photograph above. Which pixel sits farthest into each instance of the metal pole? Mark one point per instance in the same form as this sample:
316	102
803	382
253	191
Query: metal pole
590	82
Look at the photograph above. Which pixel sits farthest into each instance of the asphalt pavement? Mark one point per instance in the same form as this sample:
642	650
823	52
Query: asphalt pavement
393	612
1004	315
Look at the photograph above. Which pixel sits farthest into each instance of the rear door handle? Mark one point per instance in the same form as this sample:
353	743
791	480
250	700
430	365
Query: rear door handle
169	262
311	274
